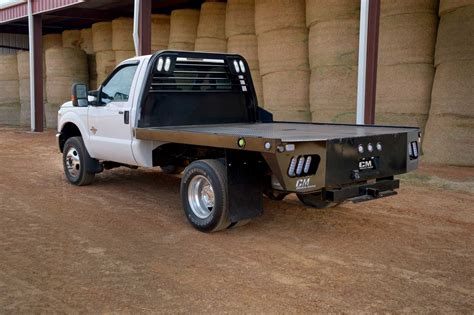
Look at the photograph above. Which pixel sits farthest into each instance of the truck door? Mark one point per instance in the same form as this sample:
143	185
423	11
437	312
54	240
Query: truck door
109	125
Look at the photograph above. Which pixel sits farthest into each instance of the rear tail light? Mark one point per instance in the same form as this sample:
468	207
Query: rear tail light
303	165
413	150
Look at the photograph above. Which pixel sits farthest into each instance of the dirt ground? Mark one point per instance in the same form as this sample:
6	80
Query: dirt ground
123	245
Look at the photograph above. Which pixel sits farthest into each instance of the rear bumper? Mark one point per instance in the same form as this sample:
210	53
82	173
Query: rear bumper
364	192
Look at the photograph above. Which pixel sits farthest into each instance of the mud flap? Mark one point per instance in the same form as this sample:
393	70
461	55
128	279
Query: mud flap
244	185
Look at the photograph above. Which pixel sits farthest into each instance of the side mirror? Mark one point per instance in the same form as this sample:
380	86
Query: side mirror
93	97
79	95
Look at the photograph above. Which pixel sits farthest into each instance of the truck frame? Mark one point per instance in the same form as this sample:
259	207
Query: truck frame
198	113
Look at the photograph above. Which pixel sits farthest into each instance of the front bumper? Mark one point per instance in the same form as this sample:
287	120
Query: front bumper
363	192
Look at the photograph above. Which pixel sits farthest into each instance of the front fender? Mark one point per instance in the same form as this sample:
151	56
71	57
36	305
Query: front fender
78	117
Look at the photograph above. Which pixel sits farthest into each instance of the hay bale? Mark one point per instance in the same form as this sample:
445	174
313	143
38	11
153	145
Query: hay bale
10	114
122	34
335	116
456	36
9	92
51	41
71	38
395	7
92	66
333	88
407	120
283	49
271	15
183	29
64	66
404	89
121	55
453	89
448	140
212	20
258	86
291	115
245	45
105	61
102	36
407	38
210	44
286	91
333	43
160	32
240	18
86	41
447	6
324	10
8	68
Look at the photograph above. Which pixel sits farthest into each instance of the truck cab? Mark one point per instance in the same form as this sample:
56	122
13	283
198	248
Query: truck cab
197	113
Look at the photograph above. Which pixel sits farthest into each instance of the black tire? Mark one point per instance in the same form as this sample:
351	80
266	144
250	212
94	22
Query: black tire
74	147
215	176
171	169
315	201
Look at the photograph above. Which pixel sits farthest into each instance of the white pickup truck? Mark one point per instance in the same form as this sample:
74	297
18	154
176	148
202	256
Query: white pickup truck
197	113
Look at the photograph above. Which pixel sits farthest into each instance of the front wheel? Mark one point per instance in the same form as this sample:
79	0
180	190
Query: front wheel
75	158
204	195
316	201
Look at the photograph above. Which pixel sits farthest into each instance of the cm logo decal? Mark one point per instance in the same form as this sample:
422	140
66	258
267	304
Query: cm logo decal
303	183
364	165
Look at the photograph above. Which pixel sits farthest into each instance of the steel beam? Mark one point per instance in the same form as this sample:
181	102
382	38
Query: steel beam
372	59
144	28
38	73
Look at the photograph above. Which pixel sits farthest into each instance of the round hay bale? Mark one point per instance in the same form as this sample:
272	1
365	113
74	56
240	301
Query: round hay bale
286	90
404	88
71	38
92	66
8	68
447	6
245	45
334	43
65	62
102	36
273	15
121	55
407	38
324	10
160	32
212	20
122	34
51	41
51	115
183	28
9	92
449	140
10	114
210	44
23	62
453	89
240	17
181	46
395	7
456	36
93	84
86	41
284	49
105	61
333	88
58	89
410	120
291	115
258	86
335	116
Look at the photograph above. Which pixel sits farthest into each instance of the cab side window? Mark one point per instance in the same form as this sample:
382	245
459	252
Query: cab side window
117	88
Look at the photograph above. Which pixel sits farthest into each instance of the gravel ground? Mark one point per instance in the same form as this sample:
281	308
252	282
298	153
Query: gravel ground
123	245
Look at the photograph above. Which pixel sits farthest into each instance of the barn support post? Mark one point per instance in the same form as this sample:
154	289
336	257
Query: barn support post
144	46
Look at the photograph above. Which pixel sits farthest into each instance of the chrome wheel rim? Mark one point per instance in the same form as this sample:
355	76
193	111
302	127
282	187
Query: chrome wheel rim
201	196
73	162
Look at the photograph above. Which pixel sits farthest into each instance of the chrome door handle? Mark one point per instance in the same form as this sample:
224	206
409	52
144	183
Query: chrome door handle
121	112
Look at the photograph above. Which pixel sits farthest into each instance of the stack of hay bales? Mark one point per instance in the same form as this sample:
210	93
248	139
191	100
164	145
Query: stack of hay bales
183	29
450	127
405	72
160	32
87	46
64	66
211	28
282	39
333	57
122	39
52	40
9	97
71	38
102	45
23	60
241	38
